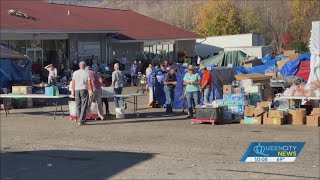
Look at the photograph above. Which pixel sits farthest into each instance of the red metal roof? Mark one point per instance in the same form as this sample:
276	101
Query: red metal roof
54	17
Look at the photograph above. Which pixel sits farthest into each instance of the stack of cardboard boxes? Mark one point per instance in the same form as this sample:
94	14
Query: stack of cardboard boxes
314	118
24	90
260	80
256	114
275	117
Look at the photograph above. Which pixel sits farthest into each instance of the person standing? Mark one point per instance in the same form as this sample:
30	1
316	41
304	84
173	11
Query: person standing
206	84
192	80
95	66
140	67
123	62
81	90
103	83
53	74
134	73
75	66
117	83
97	91
170	83
149	70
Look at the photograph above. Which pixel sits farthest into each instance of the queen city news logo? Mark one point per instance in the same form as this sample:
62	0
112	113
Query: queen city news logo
272	152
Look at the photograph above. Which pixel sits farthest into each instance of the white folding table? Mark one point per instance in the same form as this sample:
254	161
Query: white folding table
37	96
314	99
135	100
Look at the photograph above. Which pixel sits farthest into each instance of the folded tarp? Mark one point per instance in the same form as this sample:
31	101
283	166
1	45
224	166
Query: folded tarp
225	58
290	68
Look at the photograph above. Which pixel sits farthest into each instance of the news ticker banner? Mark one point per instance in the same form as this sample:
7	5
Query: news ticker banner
272	152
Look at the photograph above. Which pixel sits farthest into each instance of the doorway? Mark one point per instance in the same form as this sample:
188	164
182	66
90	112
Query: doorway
35	55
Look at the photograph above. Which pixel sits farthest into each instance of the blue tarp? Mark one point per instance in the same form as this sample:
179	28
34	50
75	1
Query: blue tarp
179	101
268	64
290	68
10	71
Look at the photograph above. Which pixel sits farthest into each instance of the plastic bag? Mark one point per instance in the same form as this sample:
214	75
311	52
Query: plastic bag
120	113
298	92
288	92
317	92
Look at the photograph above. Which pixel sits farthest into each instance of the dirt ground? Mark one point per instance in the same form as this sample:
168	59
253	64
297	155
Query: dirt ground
154	146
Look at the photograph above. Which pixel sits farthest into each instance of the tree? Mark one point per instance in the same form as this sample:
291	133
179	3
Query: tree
299	46
286	40
218	18
304	12
251	19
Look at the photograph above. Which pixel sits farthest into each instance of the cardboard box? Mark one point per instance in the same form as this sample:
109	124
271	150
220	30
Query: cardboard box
25	90
253	89
282	62
273	74
238	90
248	110
297	117
258	111
15	89
21	89
265	115
275	114
274	121
248	65
253	62
315	111
252	120
292	54
264	103
227	89
247	82
313	120
255	77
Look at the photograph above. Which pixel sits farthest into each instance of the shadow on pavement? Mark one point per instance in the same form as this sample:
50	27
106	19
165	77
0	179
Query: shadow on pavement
61	164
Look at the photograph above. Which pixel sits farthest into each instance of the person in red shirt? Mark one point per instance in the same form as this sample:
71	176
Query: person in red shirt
97	91
206	84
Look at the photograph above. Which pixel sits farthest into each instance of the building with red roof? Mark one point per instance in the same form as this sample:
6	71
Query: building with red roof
56	33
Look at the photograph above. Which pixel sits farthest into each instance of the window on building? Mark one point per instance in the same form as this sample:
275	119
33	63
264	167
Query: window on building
17	45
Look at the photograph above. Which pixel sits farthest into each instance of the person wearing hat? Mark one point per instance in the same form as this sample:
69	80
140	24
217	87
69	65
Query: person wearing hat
192	80
170	83
206	84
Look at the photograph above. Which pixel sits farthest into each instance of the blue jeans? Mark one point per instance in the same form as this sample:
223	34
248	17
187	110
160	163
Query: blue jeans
116	99
192	100
206	95
169	91
134	80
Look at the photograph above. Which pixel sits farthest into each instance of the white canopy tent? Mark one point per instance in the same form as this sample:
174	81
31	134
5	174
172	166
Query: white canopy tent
315	52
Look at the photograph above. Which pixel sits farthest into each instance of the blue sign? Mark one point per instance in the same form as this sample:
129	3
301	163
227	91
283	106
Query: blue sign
272	152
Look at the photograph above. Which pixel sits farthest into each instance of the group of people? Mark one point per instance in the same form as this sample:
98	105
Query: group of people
86	87
195	87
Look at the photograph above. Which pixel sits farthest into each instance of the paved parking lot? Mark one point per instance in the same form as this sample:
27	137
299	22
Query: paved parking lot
154	146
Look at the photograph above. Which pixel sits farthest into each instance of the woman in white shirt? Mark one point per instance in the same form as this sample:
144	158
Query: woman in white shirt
53	74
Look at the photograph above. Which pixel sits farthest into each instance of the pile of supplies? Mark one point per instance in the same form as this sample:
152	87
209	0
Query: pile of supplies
303	90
